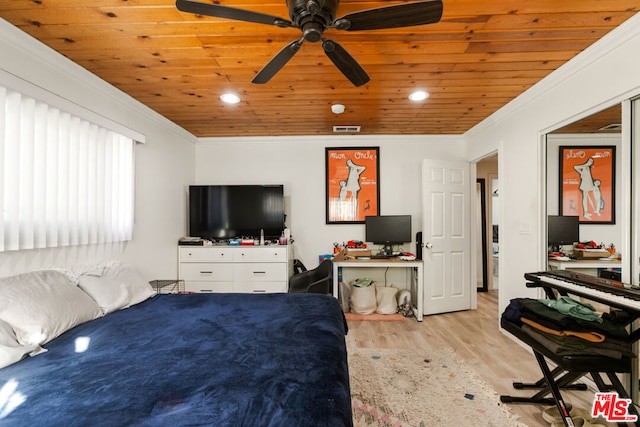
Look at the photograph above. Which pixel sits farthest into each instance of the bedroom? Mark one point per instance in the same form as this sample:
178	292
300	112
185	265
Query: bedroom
173	158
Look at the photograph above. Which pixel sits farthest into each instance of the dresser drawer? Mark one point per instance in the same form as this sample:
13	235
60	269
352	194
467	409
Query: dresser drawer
250	269
259	272
208	287
199	254
260	287
210	271
266	254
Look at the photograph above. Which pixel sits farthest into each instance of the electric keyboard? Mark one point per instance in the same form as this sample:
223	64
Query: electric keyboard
571	367
605	291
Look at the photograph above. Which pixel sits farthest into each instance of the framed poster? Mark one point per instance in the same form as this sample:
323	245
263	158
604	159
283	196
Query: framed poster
352	184
587	183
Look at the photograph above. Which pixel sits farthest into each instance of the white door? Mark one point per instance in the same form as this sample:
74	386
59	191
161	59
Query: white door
446	236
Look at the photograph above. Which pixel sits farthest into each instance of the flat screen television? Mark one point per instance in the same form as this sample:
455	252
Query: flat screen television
388	230
221	212
562	230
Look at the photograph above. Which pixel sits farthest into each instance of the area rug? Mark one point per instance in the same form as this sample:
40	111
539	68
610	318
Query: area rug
375	317
402	388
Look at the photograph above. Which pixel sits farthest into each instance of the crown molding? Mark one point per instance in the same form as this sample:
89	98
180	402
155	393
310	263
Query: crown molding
615	38
37	52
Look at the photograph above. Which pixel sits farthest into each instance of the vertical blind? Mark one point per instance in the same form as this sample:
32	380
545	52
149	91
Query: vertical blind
64	180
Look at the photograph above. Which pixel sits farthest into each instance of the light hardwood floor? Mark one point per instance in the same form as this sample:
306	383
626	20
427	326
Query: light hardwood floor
474	335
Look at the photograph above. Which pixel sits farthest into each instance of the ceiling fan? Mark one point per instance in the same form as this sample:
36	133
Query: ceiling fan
312	17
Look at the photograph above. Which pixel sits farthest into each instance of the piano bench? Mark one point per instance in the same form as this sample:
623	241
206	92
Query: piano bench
569	368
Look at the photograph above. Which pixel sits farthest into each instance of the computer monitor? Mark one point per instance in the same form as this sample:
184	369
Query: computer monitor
562	230
388	230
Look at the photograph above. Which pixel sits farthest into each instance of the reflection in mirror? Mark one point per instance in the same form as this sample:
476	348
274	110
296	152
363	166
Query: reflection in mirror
605	122
602	129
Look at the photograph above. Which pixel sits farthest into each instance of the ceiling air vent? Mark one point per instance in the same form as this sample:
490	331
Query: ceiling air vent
346	129
614	126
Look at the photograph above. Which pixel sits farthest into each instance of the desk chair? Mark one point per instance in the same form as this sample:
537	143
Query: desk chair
316	281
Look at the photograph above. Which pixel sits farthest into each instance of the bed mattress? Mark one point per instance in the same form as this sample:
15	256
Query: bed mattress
190	360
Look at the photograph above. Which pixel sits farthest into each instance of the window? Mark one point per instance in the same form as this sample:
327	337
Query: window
64	180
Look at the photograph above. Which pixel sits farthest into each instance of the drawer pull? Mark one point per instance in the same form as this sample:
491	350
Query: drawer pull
259	291
206	272
259	272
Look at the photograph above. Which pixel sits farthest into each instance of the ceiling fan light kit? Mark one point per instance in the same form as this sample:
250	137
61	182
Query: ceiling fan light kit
313	17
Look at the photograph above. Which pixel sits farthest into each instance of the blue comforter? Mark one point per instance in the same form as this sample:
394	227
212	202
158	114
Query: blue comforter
191	360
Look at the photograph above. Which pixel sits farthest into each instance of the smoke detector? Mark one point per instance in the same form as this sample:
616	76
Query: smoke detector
337	108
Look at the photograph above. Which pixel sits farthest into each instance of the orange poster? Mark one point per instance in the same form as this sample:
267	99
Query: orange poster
352	184
587	178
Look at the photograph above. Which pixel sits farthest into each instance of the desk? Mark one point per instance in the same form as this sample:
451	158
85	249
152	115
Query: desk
584	264
416	286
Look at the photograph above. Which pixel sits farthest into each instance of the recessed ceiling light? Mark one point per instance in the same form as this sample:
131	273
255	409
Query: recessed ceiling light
419	95
230	98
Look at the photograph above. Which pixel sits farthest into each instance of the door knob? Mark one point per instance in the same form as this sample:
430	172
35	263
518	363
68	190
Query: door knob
428	245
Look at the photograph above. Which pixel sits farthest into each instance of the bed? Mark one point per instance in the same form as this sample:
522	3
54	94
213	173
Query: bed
190	359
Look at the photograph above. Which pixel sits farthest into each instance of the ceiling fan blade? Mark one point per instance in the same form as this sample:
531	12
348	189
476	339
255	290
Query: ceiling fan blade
396	16
210	9
345	63
277	62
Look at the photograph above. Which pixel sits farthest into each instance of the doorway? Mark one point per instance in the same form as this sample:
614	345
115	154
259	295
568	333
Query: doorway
482	284
487	219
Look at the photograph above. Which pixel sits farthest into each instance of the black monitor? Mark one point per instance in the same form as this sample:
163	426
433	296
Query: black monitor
388	230
562	230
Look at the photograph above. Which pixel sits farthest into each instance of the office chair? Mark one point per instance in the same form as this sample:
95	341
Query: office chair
316	281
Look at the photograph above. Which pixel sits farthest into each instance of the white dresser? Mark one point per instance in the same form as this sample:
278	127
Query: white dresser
240	269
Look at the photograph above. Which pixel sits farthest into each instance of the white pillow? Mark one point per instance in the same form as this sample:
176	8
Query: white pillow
119	286
43	304
73	273
10	349
110	294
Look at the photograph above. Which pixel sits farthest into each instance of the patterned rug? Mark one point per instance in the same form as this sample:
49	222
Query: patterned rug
402	388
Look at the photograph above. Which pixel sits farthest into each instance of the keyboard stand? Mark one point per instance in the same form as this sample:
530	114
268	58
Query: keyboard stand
569	369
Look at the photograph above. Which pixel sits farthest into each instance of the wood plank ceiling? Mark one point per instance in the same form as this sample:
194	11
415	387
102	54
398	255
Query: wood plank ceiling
481	55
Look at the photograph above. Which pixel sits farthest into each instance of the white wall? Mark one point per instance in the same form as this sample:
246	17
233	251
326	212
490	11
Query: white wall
601	76
299	164
163	165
